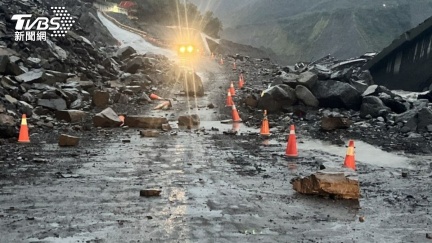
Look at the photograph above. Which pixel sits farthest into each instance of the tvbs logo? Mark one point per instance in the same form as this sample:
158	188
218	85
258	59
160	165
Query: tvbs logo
27	29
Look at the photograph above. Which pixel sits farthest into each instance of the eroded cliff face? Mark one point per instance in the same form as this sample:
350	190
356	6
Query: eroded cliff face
311	29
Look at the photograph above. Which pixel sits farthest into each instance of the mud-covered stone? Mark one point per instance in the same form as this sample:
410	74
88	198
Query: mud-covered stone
149	133
307	79
150	193
106	118
71	115
192	120
338	183
145	122
333	123
68	140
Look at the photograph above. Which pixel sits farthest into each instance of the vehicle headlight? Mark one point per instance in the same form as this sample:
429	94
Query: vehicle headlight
182	49
190	49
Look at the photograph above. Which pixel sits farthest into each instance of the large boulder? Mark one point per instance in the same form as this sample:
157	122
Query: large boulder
193	84
424	119
145	122
335	94
374	107
306	96
7	126
397	104
53	104
427	96
192	120
338	183
333	123
106	118
71	115
274	98
125	52
133	65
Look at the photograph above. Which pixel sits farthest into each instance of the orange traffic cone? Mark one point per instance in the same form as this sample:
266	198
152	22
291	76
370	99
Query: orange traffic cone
234	66
232	90
235	115
265	130
291	150
155	97
350	158
241	82
229	101
24	134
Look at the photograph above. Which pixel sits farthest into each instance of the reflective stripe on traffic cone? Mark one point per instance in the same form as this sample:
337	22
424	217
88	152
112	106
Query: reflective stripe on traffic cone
229	101
155	97
24	134
350	158
235	115
291	149
265	129
232	90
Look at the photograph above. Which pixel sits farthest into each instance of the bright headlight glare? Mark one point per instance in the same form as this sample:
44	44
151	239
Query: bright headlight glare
182	49
190	48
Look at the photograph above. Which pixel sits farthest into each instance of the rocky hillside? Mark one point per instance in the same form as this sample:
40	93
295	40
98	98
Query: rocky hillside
309	29
68	78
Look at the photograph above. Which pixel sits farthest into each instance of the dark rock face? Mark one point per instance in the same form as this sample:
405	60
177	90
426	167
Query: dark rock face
374	107
276	97
335	94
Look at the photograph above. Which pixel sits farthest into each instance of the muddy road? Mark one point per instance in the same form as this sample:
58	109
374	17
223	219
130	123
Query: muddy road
215	187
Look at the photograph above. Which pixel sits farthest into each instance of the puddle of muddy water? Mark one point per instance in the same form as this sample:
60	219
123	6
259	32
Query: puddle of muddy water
364	152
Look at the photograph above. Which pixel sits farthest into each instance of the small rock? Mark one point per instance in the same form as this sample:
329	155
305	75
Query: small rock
166	127
429	236
361	219
150	193
333	123
404	174
149	133
192	120
106	118
126	140
211	106
67	140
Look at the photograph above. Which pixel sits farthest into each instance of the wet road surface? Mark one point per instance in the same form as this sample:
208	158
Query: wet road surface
215	187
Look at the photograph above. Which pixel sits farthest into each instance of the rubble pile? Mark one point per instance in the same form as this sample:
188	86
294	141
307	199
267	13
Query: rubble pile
336	96
56	80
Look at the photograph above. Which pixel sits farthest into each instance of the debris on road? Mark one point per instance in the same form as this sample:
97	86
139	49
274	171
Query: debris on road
189	120
68	140
150	193
107	118
149	133
145	122
338	183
